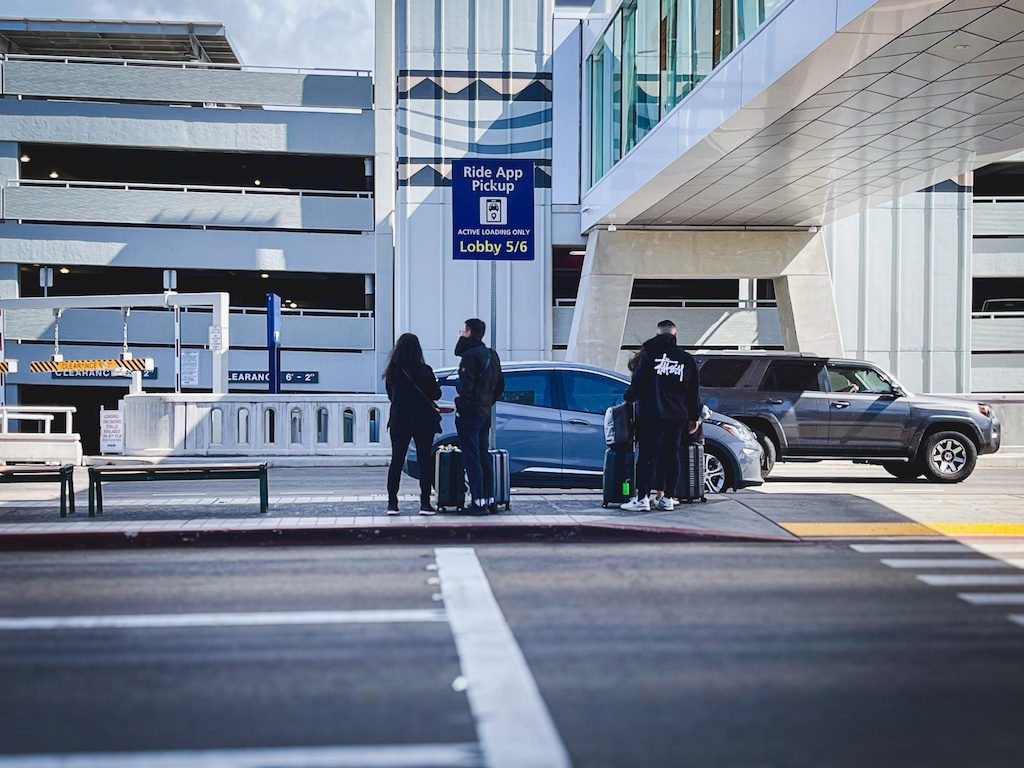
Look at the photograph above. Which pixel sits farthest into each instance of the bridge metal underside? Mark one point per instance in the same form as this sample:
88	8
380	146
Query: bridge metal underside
922	108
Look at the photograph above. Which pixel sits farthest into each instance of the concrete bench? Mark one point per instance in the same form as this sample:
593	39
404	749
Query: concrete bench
38	473
139	472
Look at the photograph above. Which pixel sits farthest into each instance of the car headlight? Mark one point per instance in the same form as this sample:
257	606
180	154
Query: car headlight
739	430
986	410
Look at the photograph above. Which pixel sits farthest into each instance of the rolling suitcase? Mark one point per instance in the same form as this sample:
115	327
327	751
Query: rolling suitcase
449	480
502	490
619	483
690	486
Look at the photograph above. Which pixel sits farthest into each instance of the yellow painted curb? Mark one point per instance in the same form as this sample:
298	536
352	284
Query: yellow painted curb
859	529
824	530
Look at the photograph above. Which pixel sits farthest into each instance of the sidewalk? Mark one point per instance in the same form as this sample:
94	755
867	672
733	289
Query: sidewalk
340	506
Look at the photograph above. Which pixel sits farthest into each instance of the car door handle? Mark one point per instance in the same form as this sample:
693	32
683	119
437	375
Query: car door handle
772	401
840	404
581	422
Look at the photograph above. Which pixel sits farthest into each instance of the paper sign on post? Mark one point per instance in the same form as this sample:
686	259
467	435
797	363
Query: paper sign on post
111	432
190	368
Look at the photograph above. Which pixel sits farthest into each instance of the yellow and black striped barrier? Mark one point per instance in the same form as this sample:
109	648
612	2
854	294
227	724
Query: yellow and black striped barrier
49	366
8	366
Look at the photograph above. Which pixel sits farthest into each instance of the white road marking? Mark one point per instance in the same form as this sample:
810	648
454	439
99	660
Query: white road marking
992	598
384	756
909	549
971	580
513	723
962	562
262	619
1017	619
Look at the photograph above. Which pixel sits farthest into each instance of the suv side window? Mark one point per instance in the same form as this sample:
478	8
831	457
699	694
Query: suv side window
857	379
723	371
528	388
590	392
792	376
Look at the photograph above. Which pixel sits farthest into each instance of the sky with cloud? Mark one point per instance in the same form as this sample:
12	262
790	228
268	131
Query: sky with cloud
285	33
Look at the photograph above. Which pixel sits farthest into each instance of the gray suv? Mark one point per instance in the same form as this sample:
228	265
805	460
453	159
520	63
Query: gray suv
807	408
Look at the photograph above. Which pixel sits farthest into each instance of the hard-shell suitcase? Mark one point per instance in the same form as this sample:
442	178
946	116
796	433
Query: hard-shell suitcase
619	483
690	486
449	480
502	490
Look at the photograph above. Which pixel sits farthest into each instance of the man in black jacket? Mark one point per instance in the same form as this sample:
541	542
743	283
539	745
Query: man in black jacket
481	382
665	388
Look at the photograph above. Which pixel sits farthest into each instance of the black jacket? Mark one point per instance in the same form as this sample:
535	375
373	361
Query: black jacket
411	412
665	382
480	382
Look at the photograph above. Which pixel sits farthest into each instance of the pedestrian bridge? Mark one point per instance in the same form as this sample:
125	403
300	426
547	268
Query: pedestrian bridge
828	108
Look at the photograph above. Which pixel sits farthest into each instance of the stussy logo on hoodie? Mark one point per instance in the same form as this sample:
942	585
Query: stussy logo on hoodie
666	366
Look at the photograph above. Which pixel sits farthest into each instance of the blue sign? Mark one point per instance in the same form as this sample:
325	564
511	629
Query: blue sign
492	209
263	377
105	374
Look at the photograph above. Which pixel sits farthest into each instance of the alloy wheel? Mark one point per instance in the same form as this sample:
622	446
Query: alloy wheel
948	456
714	474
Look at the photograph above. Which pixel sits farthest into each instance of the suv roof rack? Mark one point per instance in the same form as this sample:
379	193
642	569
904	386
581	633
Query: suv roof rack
757	353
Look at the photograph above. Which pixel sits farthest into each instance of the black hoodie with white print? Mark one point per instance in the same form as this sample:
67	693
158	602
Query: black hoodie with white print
665	383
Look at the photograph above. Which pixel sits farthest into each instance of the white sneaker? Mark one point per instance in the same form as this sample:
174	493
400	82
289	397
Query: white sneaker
665	504
393	510
637	505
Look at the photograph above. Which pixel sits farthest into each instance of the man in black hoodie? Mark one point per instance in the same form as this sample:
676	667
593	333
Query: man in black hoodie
665	389
481	382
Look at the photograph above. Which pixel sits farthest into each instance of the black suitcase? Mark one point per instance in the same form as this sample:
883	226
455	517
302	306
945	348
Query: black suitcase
449	480
690	486
502	490
619	483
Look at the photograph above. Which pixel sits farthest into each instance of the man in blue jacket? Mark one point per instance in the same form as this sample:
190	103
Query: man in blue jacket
480	384
665	388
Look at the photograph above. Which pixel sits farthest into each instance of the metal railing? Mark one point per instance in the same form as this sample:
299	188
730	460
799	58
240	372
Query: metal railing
188	65
42	414
129	186
684	303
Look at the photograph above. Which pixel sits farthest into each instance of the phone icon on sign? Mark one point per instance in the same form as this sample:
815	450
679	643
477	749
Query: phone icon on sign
494	210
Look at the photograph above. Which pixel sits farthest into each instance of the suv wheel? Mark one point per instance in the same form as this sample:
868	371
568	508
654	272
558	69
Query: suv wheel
903	470
769	452
716	473
947	457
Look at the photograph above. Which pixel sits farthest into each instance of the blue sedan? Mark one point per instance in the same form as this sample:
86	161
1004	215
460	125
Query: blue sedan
551	421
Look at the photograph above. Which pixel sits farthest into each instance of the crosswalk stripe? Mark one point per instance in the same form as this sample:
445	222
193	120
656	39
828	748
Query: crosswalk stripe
262	619
910	549
377	756
992	598
962	562
971	580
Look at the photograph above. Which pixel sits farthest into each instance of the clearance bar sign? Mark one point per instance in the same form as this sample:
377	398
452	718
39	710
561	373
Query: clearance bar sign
135	364
492	209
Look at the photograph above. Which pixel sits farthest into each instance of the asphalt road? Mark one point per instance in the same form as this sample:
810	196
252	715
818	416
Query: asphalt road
653	655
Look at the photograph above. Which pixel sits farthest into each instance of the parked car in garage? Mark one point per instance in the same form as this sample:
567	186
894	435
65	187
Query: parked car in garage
551	421
808	408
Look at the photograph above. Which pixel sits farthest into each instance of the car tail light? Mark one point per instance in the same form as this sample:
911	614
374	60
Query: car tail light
445	409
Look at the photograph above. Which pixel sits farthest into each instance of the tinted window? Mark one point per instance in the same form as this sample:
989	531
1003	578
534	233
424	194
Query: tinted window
792	376
528	388
591	393
857	379
723	372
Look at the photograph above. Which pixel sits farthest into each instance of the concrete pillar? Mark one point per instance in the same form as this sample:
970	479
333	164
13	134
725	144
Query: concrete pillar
599	319
795	261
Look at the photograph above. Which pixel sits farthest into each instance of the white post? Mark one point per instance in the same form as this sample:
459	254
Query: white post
220	356
177	349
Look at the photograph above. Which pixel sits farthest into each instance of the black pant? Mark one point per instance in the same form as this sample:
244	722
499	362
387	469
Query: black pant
657	465
424	455
474	431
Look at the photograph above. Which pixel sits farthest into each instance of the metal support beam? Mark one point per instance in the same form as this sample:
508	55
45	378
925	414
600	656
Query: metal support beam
198	52
218	303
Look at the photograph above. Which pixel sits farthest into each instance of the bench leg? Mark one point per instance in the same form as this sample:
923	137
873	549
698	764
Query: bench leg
264	492
71	492
99	496
63	495
93	483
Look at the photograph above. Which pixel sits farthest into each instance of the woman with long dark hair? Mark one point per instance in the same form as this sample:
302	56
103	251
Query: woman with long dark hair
412	389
